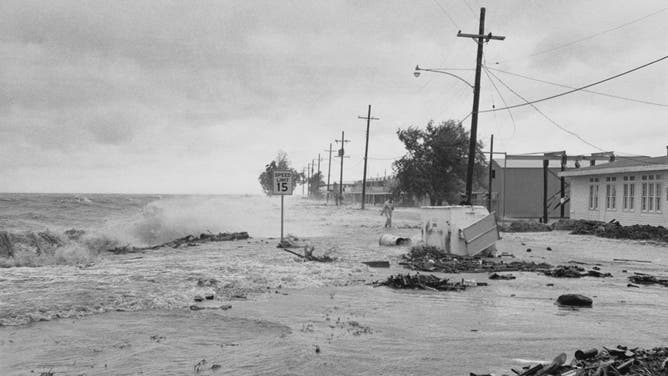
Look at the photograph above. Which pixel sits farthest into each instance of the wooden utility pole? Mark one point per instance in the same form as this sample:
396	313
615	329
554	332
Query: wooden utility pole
489	185
342	154
546	164
312	175
562	205
308	180
303	174
366	151
329	169
479	39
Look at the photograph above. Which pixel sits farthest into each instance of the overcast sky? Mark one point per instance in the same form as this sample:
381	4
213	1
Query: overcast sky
197	96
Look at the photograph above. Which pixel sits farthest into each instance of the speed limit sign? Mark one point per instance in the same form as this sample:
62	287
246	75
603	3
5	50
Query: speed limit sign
282	182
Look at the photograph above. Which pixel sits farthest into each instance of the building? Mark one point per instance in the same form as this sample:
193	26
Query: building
377	191
528	185
517	189
631	190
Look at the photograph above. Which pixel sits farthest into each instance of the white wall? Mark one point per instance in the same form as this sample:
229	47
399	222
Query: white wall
580	201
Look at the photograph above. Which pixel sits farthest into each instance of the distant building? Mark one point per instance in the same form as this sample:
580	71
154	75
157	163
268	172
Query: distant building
632	190
378	190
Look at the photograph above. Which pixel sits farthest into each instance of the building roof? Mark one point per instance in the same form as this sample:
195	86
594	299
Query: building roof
520	163
622	165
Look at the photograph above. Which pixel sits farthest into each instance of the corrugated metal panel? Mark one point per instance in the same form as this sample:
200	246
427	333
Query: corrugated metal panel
481	235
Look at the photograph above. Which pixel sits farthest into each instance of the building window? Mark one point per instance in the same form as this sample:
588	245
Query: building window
610	193
593	194
650	201
629	191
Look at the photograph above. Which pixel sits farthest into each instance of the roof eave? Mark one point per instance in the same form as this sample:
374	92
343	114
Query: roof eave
613	170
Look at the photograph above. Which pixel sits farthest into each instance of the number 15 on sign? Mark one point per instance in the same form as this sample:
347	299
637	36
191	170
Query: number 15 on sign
282	186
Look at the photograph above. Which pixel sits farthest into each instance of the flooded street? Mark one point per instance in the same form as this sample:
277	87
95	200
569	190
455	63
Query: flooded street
129	314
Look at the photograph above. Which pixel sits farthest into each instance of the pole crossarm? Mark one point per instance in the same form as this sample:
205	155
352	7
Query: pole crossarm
486	37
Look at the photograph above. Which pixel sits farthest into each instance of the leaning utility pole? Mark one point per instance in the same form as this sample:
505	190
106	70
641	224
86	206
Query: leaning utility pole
479	39
366	150
329	169
341	155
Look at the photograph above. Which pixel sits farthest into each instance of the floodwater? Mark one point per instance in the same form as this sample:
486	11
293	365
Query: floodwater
103	314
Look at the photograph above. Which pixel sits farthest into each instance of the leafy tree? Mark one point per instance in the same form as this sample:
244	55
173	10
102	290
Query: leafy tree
315	182
281	162
436	162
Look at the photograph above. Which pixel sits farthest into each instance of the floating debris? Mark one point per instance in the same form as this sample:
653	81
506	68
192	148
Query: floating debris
608	361
647	279
421	282
431	259
308	254
574	271
501	276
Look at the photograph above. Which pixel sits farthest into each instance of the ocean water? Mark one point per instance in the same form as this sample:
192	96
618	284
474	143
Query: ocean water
75	309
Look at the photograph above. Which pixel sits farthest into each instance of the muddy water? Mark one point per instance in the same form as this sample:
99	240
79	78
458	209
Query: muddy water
128	314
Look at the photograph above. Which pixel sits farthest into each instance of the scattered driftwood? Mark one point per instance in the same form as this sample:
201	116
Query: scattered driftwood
647	279
608	361
430	259
308	254
186	241
421	282
574	271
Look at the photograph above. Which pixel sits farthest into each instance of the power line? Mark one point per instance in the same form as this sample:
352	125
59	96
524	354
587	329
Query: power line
545	116
502	99
591	36
571	87
447	14
576	89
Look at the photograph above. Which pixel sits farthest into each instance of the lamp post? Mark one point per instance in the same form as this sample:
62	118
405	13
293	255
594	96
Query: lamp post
472	141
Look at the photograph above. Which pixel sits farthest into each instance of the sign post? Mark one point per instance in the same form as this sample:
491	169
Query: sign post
282	187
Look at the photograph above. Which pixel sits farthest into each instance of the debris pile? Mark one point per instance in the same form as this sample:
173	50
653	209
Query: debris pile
524	226
574	271
431	259
422	282
648	279
608	361
613	229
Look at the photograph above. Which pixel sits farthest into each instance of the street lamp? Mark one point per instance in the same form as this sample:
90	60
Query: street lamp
472	141
416	73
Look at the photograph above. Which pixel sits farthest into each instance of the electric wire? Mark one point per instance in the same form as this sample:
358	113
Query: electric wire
568	44
544	115
639	159
502	99
571	87
527	102
447	14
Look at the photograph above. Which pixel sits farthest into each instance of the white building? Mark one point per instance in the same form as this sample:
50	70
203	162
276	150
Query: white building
632	190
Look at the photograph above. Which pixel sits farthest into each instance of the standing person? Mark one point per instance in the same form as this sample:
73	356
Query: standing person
388	208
